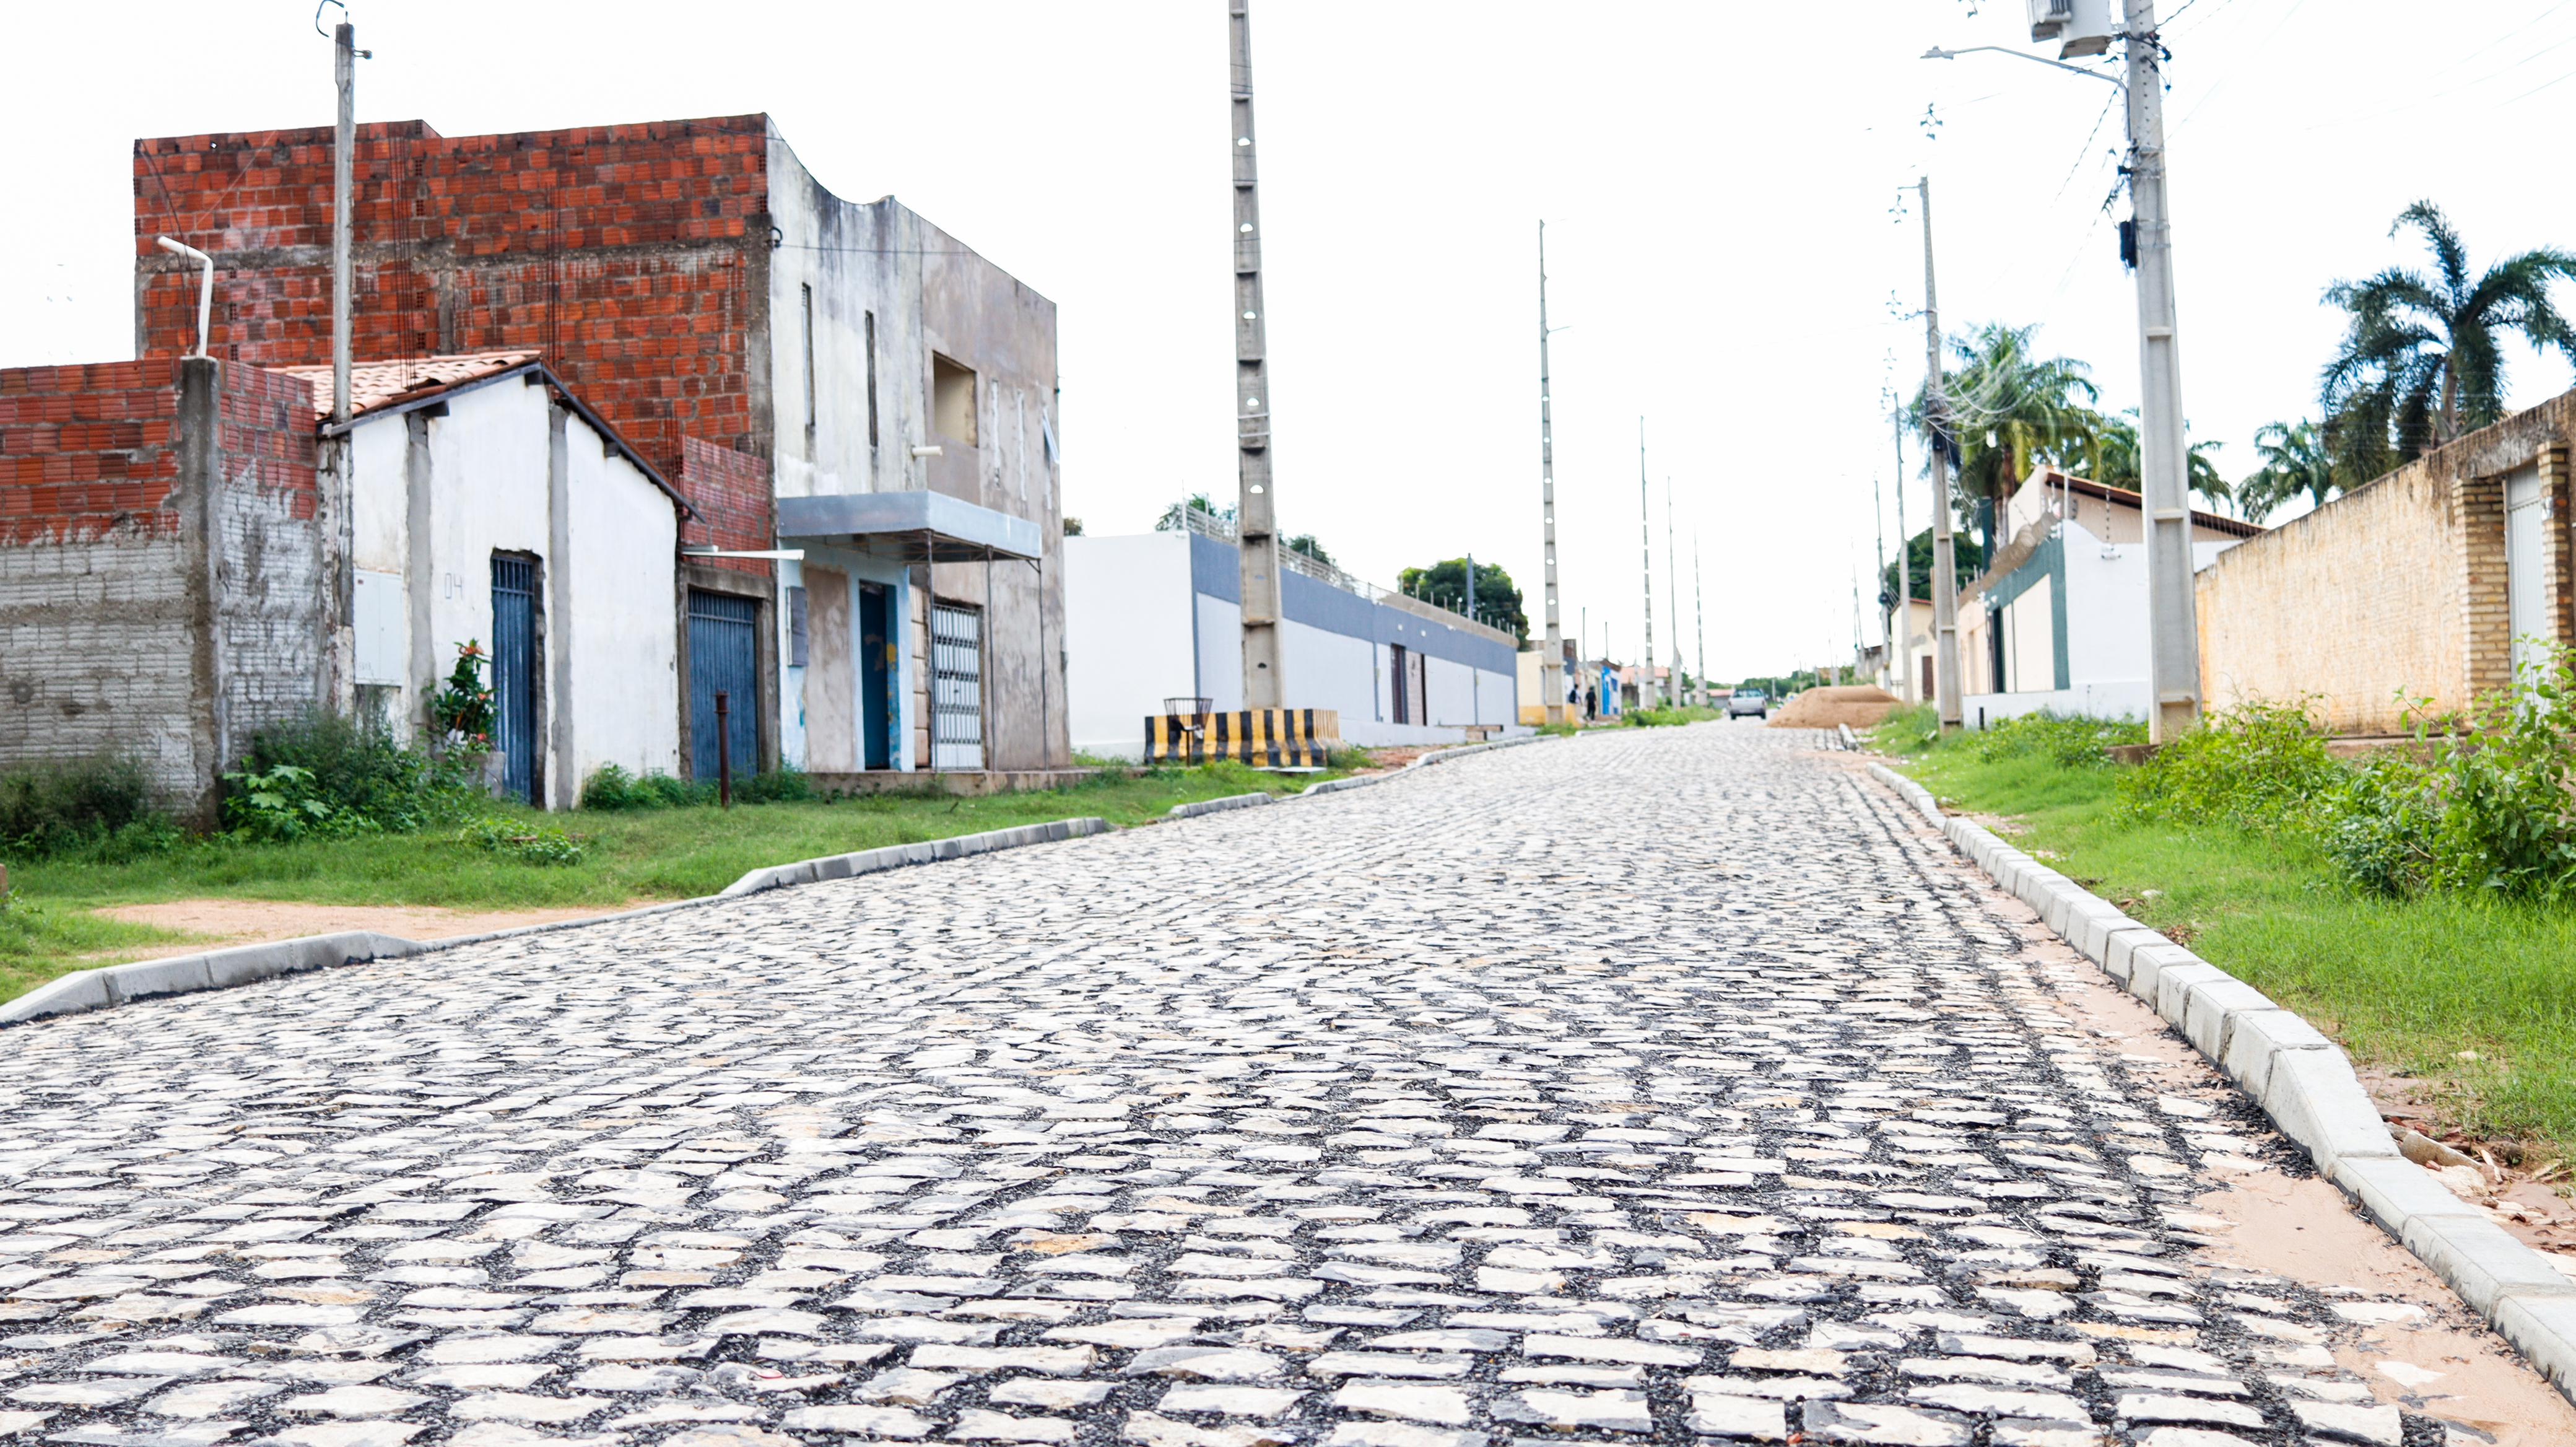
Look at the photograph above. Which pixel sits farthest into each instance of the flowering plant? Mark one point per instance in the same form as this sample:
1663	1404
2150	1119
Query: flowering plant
462	713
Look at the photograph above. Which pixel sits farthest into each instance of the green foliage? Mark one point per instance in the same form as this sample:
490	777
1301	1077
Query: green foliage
97	807
1349	759
2488	810
1175	519
1311	546
2423	358
1907	730
1559	730
2296	463
2010	410
1669	717
463	711
2261	767
526	843
612	789
322	776
2076	741
785	784
1967	560
1444	585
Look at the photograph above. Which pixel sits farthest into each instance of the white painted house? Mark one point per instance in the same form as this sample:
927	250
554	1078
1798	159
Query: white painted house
2059	622
488	504
1159	616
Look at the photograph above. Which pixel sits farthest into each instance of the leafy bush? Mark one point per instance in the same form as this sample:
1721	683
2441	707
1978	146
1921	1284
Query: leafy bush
2488	809
2260	766
783	785
464	712
99	806
611	789
2074	740
323	776
1654	718
526	843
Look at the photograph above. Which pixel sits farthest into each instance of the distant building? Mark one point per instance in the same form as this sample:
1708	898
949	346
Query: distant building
1157	616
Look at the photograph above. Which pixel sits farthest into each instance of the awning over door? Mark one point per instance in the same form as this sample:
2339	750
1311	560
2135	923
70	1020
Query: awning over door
913	527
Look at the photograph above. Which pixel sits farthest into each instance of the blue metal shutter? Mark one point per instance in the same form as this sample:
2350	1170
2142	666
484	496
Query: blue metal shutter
514	674
724	656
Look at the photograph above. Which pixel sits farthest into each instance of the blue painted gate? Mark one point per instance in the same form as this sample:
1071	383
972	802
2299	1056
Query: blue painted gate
724	656
514	673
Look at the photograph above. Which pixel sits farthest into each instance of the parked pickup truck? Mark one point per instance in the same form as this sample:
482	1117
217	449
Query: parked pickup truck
1747	701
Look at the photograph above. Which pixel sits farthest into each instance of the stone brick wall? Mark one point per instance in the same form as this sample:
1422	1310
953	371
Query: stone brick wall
2395	591
160	592
634	256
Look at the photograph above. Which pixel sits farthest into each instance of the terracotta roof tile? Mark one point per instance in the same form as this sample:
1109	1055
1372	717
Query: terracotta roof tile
378	384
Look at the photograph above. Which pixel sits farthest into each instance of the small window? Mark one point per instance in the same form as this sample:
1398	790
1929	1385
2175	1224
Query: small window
872	378
809	359
952	399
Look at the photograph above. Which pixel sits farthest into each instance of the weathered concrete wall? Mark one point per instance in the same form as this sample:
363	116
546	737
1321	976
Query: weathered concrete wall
2393	592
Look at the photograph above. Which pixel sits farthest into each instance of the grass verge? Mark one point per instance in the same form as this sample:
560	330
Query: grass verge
2474	997
627	857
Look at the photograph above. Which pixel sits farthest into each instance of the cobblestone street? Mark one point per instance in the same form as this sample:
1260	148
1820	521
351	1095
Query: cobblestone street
1672	1085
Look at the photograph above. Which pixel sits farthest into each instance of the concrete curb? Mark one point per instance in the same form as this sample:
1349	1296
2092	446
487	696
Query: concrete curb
897	856
1849	742
2305	1084
112	985
1216	806
1335	786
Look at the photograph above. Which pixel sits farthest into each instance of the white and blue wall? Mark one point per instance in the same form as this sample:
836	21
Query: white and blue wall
1159	615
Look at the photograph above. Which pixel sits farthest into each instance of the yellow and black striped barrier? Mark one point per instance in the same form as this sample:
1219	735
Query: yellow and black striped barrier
1266	738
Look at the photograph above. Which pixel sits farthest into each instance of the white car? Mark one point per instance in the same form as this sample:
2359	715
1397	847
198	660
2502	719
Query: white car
1747	701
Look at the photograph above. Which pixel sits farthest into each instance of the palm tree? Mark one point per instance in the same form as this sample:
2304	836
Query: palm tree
2296	463
2011	410
2110	457
2424	358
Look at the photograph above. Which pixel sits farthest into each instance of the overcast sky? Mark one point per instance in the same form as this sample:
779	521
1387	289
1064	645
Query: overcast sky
1730	247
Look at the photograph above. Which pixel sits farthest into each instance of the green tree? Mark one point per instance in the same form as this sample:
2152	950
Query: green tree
2012	410
1306	543
1176	517
2295	464
1968	558
1498	602
2111	457
2422	360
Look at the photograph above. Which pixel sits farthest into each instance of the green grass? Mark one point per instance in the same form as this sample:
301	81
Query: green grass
1669	717
2407	986
627	857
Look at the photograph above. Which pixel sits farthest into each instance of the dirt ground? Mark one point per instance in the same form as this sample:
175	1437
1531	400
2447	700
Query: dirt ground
218	923
1821	708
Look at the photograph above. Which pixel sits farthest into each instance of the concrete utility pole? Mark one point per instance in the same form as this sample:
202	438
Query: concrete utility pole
1905	688
1646	564
2173	632
1551	662
1945	567
1256	532
344	142
1672	570
1699	621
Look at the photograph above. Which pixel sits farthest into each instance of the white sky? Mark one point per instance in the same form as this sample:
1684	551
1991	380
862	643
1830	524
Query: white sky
1718	178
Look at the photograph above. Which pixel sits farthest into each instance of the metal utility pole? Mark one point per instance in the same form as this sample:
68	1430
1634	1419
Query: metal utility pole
2173	635
1945	567
1646	561
1551	662
1699	620
344	142
1905	687
1256	533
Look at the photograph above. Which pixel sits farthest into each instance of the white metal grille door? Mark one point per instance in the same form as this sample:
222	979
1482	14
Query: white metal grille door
956	688
2525	576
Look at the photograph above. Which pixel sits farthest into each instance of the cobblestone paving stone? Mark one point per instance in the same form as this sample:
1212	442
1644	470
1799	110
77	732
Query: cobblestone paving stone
1665	1087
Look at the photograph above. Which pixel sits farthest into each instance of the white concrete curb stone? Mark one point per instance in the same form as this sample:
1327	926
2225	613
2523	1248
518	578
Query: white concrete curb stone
896	856
2305	1084
1217	806
112	985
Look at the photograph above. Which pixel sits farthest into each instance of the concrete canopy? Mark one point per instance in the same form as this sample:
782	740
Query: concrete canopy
916	527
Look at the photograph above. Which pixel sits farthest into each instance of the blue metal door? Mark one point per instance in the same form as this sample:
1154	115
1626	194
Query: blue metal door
724	657
514	673
876	670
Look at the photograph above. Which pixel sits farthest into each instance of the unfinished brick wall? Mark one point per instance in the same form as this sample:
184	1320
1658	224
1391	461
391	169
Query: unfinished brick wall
160	594
2396	591
731	492
635	256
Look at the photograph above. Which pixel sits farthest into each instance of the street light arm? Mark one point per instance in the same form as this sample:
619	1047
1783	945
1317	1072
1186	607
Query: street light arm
1937	53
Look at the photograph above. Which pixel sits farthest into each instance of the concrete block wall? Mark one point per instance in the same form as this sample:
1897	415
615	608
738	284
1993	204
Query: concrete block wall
2394	591
271	598
634	256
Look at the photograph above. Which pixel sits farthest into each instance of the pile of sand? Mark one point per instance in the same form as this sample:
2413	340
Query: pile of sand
1822	708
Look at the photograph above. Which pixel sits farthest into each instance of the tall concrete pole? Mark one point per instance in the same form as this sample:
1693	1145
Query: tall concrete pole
344	142
1264	683
1905	688
2173	636
1672	570
1551	663
1646	568
1945	567
1699	622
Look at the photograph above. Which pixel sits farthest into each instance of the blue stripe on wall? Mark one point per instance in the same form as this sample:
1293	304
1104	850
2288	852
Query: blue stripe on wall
1216	571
